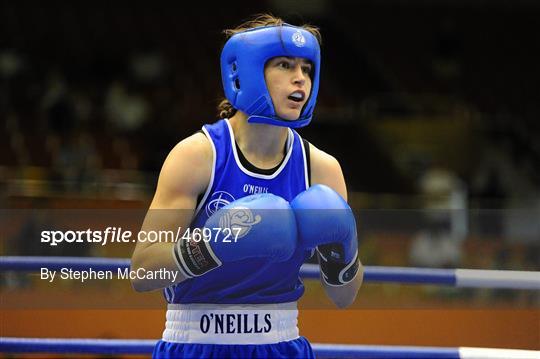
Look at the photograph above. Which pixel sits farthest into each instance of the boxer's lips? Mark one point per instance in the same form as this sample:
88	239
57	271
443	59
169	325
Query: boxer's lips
297	96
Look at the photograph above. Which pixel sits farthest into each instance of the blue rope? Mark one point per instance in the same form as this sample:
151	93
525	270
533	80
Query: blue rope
132	346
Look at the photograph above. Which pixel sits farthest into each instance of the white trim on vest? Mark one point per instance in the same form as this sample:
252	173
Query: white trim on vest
211	183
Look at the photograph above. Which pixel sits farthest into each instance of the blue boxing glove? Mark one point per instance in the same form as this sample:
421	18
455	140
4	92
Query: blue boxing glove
326	221
256	226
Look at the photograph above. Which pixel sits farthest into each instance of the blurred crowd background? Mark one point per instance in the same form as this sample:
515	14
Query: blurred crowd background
432	108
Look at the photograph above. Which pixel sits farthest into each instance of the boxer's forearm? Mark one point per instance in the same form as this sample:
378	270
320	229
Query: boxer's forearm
157	258
343	296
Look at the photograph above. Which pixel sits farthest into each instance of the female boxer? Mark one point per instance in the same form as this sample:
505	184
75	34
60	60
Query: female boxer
255	190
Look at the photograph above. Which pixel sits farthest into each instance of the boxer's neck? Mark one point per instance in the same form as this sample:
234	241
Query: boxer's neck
262	145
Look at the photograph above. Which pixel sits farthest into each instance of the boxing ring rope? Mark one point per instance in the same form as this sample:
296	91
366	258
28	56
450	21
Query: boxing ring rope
472	278
451	277
134	347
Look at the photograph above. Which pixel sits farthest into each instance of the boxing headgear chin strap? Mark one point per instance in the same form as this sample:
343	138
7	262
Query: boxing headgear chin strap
242	70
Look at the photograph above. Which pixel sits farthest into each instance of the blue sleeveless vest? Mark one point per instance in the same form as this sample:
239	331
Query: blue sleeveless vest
250	281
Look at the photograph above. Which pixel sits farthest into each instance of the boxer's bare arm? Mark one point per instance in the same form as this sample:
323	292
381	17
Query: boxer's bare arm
326	170
185	174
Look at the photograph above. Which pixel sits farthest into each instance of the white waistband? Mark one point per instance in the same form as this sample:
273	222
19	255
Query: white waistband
231	323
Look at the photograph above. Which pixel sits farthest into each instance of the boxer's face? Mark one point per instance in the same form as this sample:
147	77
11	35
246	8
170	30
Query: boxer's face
289	84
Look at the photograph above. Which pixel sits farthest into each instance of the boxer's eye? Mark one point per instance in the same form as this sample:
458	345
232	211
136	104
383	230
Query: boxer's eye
284	64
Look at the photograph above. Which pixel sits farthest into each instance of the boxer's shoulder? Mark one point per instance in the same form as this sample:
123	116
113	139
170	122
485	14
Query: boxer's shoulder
325	169
322	161
187	169
196	147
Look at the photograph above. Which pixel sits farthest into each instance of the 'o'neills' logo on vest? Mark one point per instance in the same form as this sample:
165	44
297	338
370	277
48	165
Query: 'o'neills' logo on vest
240	220
235	323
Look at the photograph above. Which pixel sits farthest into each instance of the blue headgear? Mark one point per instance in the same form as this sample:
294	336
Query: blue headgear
242	70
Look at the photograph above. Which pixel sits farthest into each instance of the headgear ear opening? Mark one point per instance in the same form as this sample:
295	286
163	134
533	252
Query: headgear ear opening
242	70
